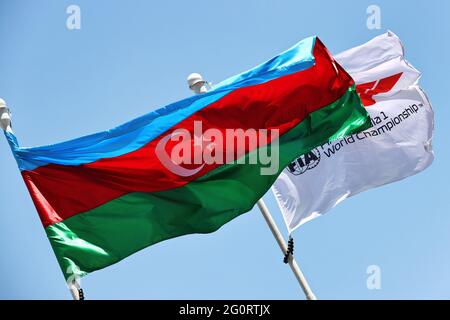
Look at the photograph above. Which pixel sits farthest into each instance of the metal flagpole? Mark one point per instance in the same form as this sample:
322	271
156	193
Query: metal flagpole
291	260
75	290
5	124
198	85
5	117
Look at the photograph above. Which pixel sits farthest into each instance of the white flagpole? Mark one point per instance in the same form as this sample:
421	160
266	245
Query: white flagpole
75	290
5	124
5	117
291	260
198	85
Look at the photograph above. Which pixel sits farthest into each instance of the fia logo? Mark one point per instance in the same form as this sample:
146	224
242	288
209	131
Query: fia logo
305	162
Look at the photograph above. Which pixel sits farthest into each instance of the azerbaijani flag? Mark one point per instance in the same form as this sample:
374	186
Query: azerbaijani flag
107	195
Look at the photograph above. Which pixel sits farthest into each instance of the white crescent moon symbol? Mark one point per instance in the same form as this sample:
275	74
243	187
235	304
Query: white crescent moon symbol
168	163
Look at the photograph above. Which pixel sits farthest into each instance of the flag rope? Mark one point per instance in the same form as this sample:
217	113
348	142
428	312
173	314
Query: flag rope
289	251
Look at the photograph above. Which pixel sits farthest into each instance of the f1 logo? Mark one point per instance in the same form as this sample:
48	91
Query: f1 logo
368	90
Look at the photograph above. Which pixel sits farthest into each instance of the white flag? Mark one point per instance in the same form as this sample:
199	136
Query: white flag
397	146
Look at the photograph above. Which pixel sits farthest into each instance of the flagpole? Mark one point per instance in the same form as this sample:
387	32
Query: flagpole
198	85
5	123
75	290
282	244
5	117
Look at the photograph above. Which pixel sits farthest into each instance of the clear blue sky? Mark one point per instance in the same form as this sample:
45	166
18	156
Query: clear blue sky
131	57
